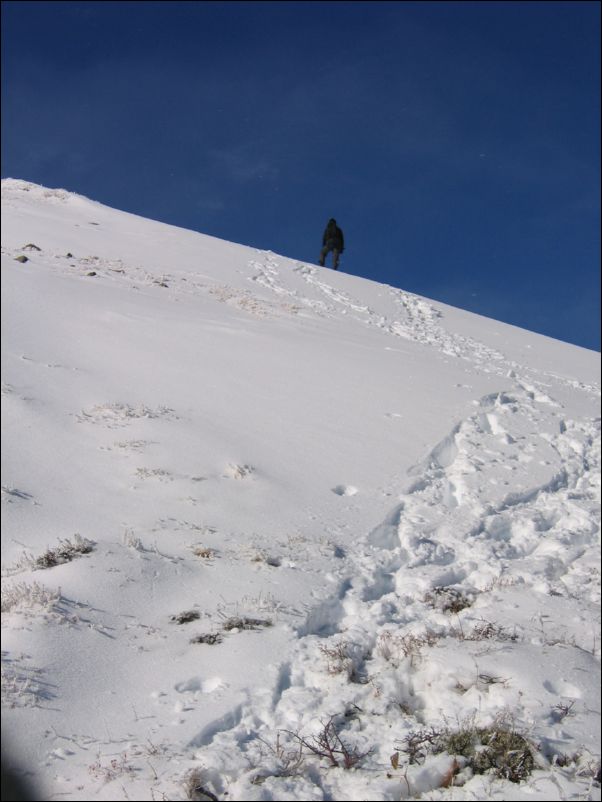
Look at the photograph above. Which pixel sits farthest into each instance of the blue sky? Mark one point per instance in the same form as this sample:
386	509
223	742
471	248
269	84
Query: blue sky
457	144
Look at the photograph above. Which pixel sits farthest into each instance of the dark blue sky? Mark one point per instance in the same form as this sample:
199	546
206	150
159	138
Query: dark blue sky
456	143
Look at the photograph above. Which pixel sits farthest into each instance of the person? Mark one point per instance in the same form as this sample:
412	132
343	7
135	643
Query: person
332	241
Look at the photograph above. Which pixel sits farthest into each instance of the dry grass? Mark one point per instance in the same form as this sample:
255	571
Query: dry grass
497	748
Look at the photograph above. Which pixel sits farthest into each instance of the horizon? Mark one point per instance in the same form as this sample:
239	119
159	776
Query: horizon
456	144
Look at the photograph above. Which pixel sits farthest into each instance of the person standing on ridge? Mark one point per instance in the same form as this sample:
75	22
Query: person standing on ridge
332	241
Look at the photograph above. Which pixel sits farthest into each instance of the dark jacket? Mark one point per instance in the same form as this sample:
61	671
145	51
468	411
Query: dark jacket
333	236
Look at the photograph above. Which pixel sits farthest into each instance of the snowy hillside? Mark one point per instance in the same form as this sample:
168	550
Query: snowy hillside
272	532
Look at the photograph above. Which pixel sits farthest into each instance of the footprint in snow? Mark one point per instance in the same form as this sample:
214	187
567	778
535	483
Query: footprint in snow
196	684
238	471
345	490
9	494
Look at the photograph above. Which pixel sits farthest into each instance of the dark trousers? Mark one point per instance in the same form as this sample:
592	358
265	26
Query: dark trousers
335	255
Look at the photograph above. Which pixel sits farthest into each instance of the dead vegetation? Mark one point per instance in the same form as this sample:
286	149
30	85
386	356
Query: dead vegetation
498	748
329	744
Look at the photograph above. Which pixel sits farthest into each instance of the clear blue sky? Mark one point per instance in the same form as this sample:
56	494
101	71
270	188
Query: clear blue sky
456	143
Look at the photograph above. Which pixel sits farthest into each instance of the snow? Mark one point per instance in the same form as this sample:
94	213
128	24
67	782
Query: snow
315	506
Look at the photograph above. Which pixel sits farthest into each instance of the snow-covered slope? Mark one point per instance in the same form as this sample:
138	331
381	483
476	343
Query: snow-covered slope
252	507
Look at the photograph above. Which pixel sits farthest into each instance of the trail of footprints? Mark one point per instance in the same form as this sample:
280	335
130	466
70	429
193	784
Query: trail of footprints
433	547
419	321
180	283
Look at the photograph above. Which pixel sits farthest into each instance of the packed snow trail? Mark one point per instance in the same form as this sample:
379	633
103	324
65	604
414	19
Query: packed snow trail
481	515
298	289
417	319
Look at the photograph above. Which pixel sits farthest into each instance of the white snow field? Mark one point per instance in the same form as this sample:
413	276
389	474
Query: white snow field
275	532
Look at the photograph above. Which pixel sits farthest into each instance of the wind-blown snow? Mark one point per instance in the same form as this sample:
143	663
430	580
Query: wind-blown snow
248	501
